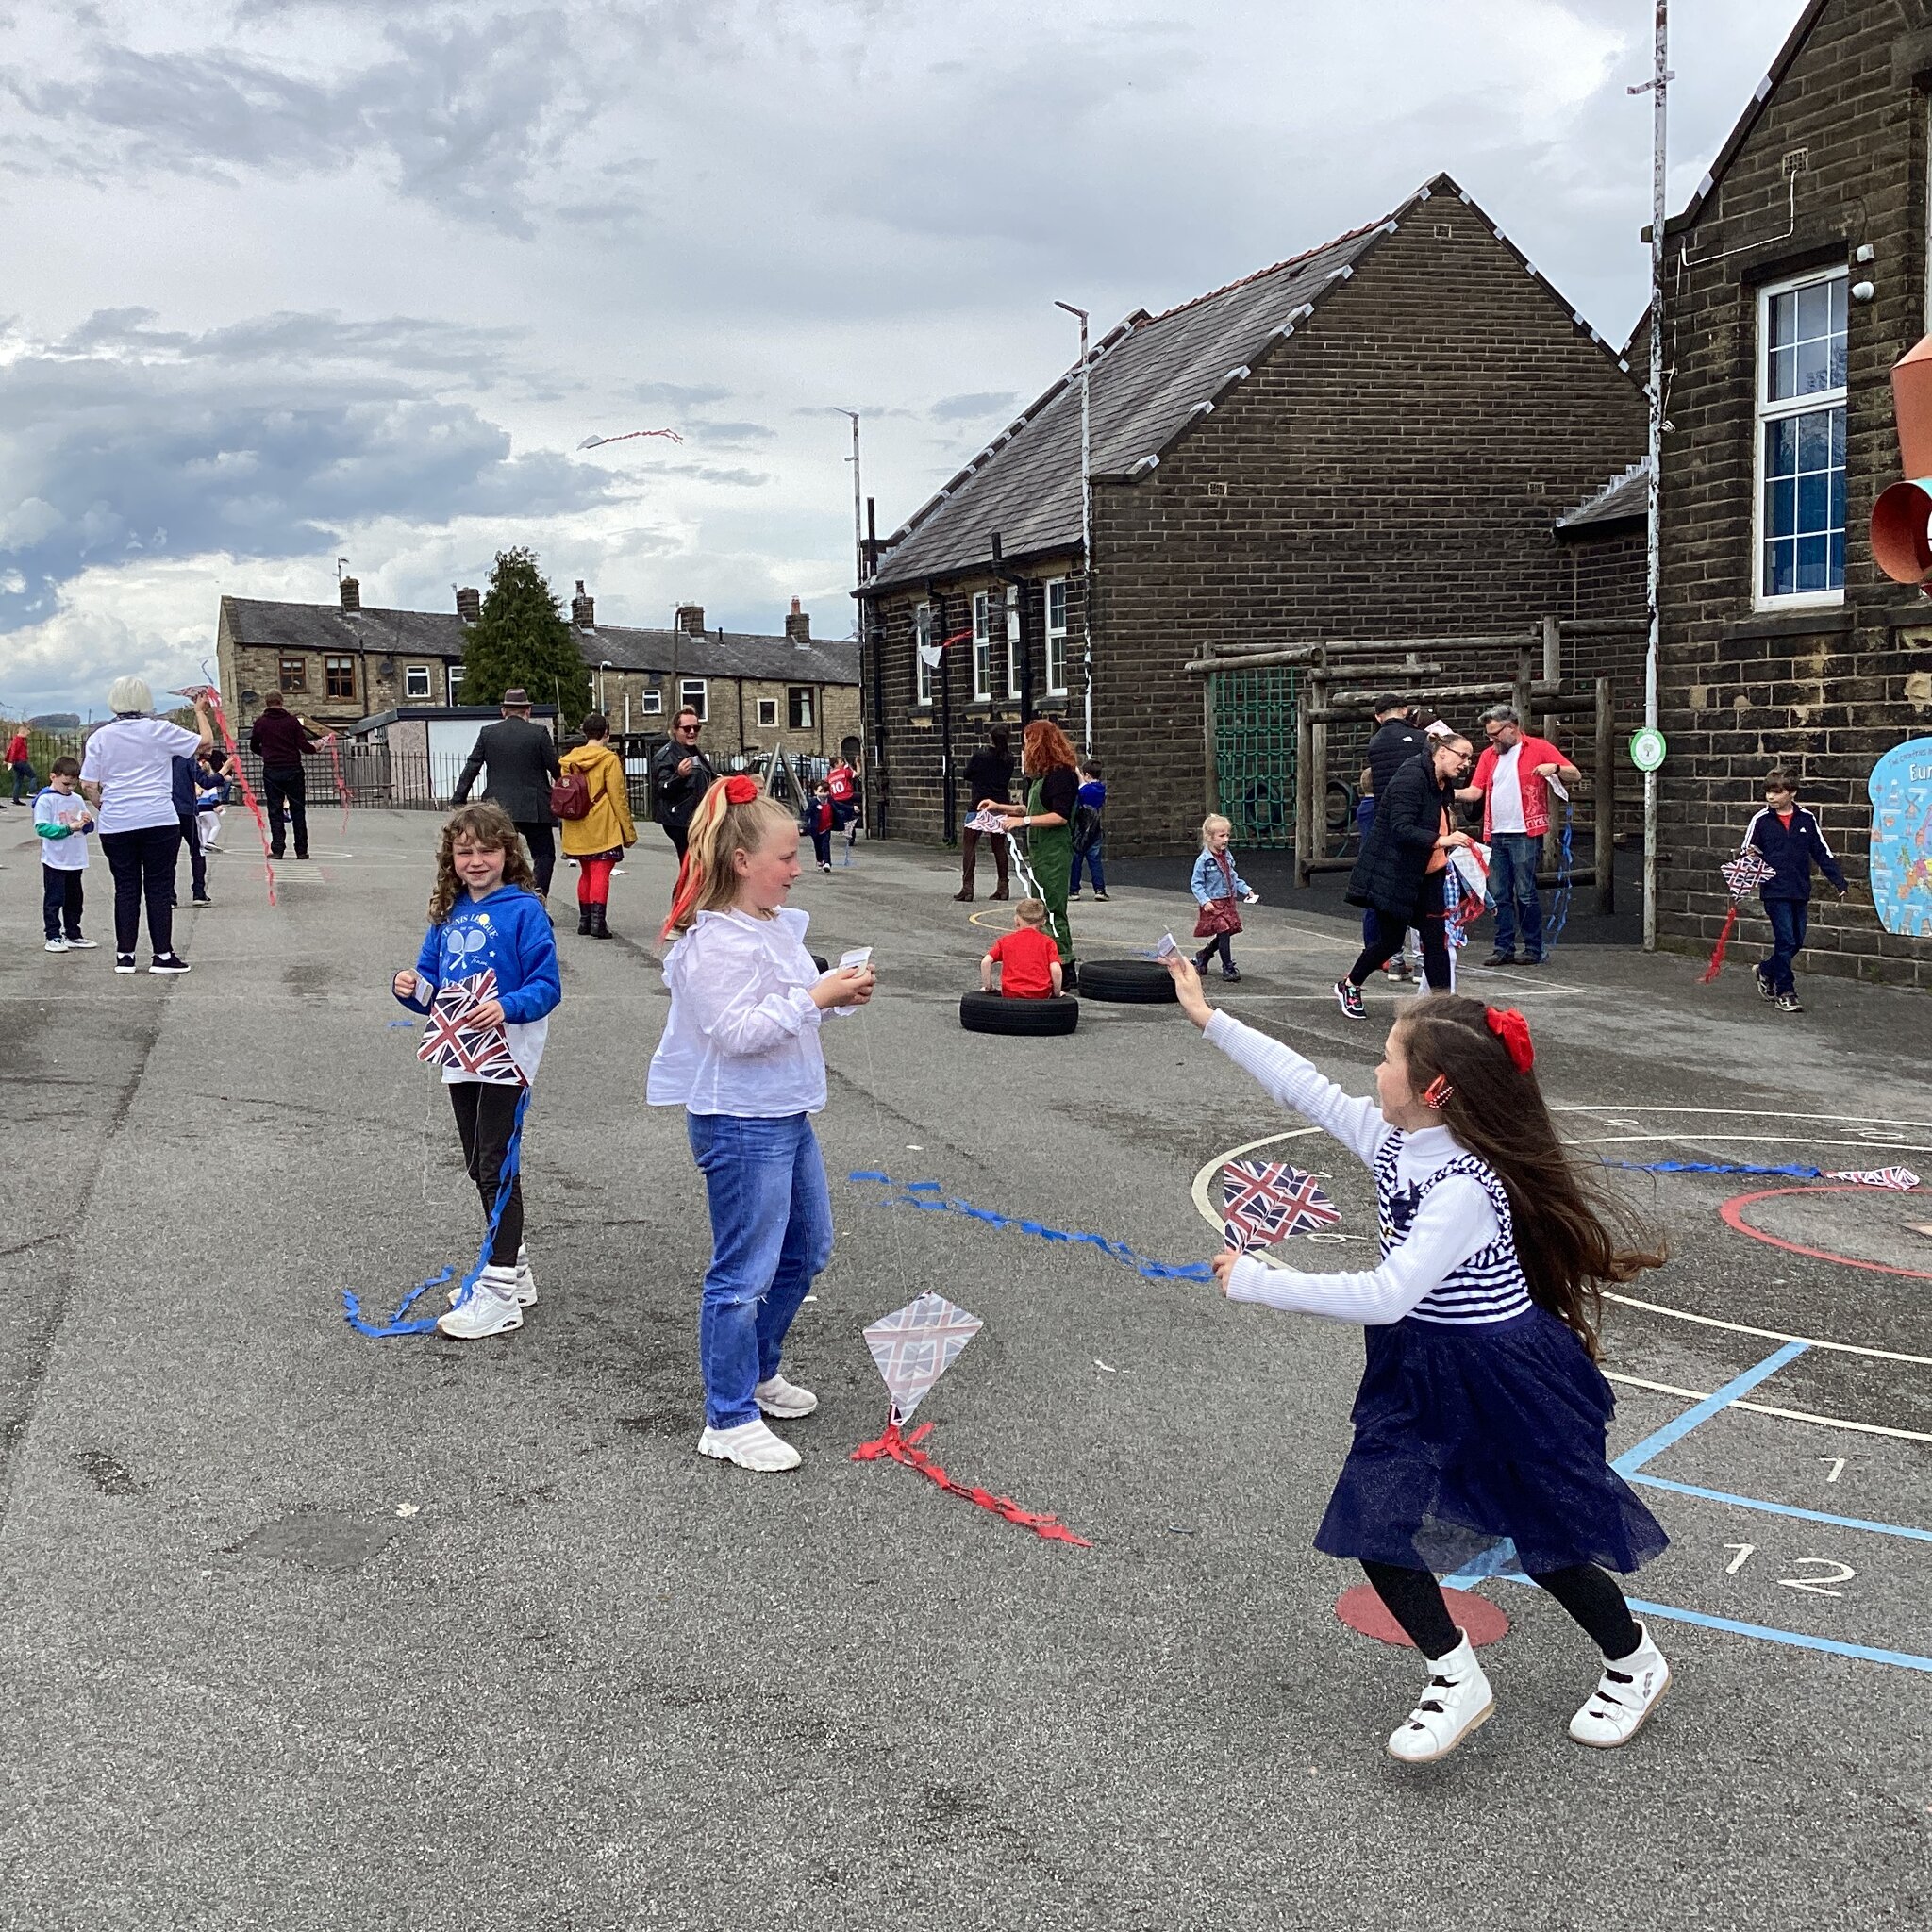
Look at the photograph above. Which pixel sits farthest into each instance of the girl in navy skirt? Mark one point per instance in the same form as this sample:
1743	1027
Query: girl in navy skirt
1482	1413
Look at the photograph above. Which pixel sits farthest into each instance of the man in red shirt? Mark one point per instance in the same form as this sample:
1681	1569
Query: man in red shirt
1512	780
19	760
1029	960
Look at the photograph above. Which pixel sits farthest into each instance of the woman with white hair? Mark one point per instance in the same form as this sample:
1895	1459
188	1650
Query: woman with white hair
127	774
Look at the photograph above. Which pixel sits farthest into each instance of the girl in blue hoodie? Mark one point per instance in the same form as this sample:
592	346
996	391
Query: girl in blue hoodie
485	917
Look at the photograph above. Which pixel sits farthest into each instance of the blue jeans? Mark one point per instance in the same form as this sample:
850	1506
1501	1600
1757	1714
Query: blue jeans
771	1234
1512	884
1789	919
1093	856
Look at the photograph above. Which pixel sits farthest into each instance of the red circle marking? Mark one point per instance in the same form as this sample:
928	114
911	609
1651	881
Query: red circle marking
1361	1609
1733	1212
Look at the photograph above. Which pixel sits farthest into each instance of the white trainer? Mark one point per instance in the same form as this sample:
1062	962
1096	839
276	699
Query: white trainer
492	1308
527	1283
57	946
1457	1700
1626	1695
784	1399
76	944
751	1445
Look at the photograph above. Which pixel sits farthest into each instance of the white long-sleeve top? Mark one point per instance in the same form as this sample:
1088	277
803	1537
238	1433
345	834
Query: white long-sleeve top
1456	1222
743	1036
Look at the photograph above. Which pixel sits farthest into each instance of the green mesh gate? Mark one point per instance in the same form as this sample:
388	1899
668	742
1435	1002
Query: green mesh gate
1254	755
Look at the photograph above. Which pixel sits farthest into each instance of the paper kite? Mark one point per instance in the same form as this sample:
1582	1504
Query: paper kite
451	1040
986	822
1900	1180
1266	1201
1743	874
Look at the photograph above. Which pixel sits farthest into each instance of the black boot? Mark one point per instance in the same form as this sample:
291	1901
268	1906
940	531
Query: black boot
584	911
598	929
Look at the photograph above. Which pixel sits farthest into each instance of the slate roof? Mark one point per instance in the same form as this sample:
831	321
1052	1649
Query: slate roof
1623	499
440	634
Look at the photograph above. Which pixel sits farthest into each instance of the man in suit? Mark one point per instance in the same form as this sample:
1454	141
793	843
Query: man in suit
521	761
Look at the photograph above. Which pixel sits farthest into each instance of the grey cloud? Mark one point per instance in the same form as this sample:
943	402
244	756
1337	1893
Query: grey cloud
709	472
978	403
727	435
678	395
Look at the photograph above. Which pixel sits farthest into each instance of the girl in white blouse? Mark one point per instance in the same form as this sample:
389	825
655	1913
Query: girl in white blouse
741	1055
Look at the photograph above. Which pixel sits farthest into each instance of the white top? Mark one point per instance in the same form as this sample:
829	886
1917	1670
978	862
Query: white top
54	808
743	1036
1455	1222
132	760
1506	791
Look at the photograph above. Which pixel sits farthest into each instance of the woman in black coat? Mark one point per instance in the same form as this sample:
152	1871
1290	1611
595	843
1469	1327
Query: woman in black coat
1398	875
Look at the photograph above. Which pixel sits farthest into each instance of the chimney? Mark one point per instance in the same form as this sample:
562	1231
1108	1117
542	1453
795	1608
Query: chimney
798	626
690	620
470	605
352	595
583	608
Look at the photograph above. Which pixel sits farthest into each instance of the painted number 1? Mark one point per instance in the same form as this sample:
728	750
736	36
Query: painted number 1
1818	1586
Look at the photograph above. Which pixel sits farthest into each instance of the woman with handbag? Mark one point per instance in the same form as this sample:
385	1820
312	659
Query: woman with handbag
593	799
1218	888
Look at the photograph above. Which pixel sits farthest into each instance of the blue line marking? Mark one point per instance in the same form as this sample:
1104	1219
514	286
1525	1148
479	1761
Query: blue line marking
1499	1559
1658	1482
1673	1432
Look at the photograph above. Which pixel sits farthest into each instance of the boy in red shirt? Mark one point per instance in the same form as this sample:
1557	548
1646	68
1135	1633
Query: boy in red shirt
1029	960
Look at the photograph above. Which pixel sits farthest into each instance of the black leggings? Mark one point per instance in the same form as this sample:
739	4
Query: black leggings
1223	943
486	1113
1390	927
1414	1599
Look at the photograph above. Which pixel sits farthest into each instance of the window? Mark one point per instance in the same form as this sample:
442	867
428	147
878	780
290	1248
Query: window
339	678
921	644
653	703
767	713
1016	651
295	673
1057	637
691	693
1801	441
798	706
456	682
416	681
982	649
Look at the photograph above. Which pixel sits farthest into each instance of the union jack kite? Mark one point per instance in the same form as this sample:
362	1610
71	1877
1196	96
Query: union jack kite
1900	1180
1265	1200
452	1040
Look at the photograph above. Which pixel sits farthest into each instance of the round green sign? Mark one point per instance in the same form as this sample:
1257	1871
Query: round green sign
1648	748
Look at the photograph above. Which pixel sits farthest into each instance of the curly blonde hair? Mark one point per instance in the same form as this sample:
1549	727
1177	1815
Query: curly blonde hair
484	824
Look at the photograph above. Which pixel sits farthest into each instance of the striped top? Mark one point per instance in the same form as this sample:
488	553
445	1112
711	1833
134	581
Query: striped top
1491	1285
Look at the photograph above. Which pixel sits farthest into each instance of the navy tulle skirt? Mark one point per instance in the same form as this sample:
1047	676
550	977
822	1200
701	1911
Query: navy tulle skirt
1468	1432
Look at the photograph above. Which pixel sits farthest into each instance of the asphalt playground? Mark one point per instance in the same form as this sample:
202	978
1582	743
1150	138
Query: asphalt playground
301	1628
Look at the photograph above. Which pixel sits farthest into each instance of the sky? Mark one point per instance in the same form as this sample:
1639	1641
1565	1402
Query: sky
285	281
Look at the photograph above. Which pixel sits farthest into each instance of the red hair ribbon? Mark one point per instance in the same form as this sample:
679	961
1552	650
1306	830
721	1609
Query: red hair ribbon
740	789
1512	1030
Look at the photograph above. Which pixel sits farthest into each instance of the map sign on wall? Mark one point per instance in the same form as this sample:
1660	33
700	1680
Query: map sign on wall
1901	792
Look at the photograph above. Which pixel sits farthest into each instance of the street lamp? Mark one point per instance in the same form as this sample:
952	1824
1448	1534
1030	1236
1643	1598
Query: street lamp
1086	523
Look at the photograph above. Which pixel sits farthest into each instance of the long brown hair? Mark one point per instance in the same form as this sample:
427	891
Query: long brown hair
1044	747
484	824
721	827
1571	1236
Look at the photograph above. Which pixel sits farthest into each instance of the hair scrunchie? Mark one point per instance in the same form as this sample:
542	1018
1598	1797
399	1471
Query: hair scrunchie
1512	1030
740	789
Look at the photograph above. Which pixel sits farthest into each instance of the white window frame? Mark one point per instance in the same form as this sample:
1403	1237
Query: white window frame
922	641
1016	646
982	648
768	714
454	682
653	705
694	695
411	672
1763	412
1056	638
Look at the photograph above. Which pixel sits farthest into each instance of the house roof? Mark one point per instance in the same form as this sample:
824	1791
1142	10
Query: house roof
1623	499
1151	378
441	634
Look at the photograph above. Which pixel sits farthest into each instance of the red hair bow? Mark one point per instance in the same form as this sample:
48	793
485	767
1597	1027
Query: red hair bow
740	789
1512	1030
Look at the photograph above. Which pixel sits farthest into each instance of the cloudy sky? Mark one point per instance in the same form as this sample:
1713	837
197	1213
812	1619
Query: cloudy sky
290	281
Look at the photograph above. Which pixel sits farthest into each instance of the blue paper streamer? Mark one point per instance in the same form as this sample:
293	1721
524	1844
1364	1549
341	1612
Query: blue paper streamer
921	1194
1796	1174
400	1322
1559	899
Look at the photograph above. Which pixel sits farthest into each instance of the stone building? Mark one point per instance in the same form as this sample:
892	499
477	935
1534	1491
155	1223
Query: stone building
1794	279
1372	439
338	663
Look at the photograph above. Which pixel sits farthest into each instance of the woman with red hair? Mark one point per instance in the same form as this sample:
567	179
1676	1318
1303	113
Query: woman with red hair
1048	758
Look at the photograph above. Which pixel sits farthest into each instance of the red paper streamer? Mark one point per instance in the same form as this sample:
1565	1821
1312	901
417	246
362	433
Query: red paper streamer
213	700
335	752
903	1448
1717	952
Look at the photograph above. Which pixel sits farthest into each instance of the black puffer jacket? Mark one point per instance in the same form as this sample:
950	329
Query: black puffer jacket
1396	855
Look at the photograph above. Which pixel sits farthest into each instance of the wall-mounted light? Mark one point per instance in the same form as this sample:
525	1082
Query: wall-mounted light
1864	253
1863	291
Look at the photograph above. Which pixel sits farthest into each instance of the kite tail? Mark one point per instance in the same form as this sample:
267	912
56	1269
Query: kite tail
1717	952
905	1448
248	797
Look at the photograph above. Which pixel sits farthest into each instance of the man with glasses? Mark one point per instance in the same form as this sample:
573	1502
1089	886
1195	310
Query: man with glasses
680	776
1512	780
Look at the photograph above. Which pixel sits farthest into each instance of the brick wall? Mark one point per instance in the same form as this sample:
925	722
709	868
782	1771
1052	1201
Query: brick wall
1825	690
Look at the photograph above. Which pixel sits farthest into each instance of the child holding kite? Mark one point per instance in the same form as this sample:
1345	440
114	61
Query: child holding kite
741	1055
488	969
1785	837
1482	1413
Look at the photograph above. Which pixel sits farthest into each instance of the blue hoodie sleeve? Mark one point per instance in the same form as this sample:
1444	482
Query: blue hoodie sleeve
428	971
542	988
1827	859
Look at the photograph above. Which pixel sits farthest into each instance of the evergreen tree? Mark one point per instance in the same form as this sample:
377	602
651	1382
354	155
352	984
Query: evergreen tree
523	638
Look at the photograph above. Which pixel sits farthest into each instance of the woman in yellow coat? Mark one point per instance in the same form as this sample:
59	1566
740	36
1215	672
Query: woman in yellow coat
597	840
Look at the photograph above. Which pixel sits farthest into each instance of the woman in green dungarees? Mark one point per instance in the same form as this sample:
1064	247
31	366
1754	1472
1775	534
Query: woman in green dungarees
1048	758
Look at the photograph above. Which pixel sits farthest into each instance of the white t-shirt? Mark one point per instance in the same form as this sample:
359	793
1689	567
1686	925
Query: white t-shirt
132	760
54	808
1506	791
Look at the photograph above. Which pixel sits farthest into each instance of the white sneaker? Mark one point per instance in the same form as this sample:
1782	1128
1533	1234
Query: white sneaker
527	1283
782	1398
1626	1695
751	1445
1458	1699
57	946
76	944
492	1308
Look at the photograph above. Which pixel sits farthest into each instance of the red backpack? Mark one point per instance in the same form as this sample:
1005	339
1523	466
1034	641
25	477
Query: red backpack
570	797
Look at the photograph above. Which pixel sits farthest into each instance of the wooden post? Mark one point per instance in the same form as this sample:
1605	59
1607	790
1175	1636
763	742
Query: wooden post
1552	832
1519	701
1318	688
1304	775
1606	780
1553	651
1211	762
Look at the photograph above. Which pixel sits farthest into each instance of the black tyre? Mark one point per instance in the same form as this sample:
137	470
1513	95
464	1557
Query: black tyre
1139	982
991	1012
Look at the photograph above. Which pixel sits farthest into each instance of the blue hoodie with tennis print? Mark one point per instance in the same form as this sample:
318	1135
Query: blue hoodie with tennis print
508	933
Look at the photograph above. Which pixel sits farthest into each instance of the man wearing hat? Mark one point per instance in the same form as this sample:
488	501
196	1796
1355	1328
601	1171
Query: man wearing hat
521	757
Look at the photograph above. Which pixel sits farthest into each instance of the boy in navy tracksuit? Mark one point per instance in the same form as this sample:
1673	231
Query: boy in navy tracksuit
1787	838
